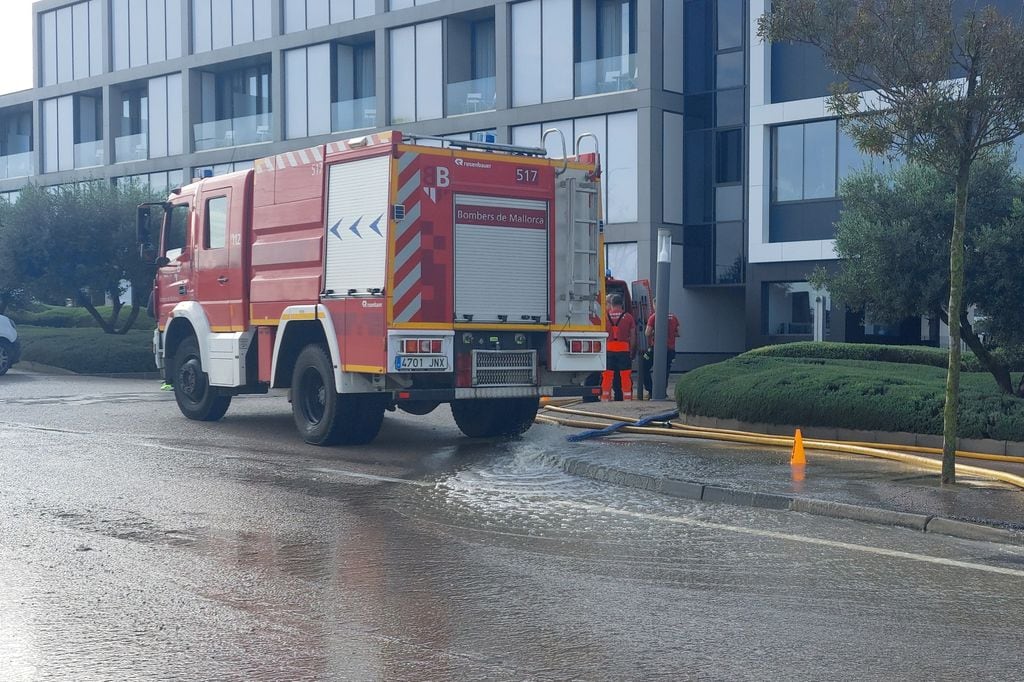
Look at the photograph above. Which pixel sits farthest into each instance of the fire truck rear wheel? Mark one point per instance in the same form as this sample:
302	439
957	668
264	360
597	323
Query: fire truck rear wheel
322	416
494	416
196	398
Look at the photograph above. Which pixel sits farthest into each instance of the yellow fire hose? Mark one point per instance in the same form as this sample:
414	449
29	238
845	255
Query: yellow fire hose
897	453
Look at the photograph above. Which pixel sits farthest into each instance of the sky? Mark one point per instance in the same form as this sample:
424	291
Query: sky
15	45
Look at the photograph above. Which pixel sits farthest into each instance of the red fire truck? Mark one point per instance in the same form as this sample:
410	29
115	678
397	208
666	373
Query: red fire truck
382	272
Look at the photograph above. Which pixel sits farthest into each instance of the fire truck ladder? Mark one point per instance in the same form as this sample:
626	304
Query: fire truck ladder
583	241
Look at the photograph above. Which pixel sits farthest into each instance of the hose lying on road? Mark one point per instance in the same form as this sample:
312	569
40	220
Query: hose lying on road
612	428
678	430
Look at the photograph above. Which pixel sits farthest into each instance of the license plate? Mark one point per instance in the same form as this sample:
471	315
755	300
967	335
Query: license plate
421	363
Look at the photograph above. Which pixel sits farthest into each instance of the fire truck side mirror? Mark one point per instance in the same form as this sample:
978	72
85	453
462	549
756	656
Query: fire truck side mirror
150	220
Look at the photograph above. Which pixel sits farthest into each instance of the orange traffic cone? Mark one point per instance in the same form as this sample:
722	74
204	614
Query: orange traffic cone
798	458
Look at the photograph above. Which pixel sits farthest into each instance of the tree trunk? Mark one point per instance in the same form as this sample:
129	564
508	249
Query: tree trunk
998	370
132	316
86	303
955	312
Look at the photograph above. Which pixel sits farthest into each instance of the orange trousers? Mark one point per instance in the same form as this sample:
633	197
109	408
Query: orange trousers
618	362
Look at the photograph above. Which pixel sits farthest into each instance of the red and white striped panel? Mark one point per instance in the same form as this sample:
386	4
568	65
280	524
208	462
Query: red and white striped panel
358	142
408	299
294	159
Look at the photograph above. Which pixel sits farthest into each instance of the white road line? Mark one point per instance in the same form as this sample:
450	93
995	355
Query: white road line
836	544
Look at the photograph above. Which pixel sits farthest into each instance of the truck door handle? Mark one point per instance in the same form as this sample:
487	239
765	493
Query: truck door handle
222	279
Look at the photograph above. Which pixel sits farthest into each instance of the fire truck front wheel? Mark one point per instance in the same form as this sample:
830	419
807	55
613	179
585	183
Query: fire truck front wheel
324	417
490	417
196	398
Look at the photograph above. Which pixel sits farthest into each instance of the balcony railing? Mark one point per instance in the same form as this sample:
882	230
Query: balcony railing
89	154
354	114
131	147
233	132
611	74
467	97
16	165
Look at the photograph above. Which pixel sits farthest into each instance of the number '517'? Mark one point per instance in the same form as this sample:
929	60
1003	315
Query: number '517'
526	175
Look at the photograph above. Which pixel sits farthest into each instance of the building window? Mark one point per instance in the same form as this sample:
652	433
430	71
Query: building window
144	32
235	107
471	65
810	160
605	46
787	308
729	156
16	143
713	254
804	161
72	132
417	76
88	131
354	100
131	144
222	23
70	43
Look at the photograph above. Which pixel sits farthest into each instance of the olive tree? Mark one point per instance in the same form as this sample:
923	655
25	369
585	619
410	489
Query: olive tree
73	242
893	241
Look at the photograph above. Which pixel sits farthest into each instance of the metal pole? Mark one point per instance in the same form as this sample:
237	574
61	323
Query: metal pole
660	378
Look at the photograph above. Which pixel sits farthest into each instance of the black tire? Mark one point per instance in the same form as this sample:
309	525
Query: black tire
491	417
593	379
195	397
5	357
322	416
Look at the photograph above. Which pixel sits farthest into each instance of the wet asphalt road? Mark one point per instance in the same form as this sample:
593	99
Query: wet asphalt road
137	545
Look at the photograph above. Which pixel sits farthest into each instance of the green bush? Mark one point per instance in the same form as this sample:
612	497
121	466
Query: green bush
854	394
67	318
88	351
912	355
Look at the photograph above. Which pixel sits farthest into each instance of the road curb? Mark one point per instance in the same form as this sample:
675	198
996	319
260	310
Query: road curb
717	494
856	512
974	531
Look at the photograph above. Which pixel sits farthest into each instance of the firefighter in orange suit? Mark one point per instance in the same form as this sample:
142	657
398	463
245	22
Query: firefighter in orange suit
621	348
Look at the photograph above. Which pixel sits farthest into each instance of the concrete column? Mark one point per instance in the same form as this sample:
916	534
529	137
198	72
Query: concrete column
37	59
189	114
382	60
37	136
277	94
502	58
277	75
186	28
108	127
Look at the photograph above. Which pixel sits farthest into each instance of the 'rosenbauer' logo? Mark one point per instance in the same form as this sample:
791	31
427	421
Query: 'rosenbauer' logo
471	164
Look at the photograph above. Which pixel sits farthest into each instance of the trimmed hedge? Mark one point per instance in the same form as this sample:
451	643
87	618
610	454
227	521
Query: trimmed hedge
68	318
88	351
853	394
913	355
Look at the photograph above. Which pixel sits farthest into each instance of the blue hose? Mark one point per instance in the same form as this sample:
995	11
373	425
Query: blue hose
612	428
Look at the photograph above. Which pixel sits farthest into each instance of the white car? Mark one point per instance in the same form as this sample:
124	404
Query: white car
10	347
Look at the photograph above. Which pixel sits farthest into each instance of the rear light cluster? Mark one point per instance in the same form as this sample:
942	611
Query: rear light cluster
584	346
431	346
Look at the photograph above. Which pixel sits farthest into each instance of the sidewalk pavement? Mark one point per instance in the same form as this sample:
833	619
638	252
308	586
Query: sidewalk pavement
833	484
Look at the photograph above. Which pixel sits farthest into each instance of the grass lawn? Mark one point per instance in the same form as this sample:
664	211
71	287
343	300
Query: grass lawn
854	394
88	351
